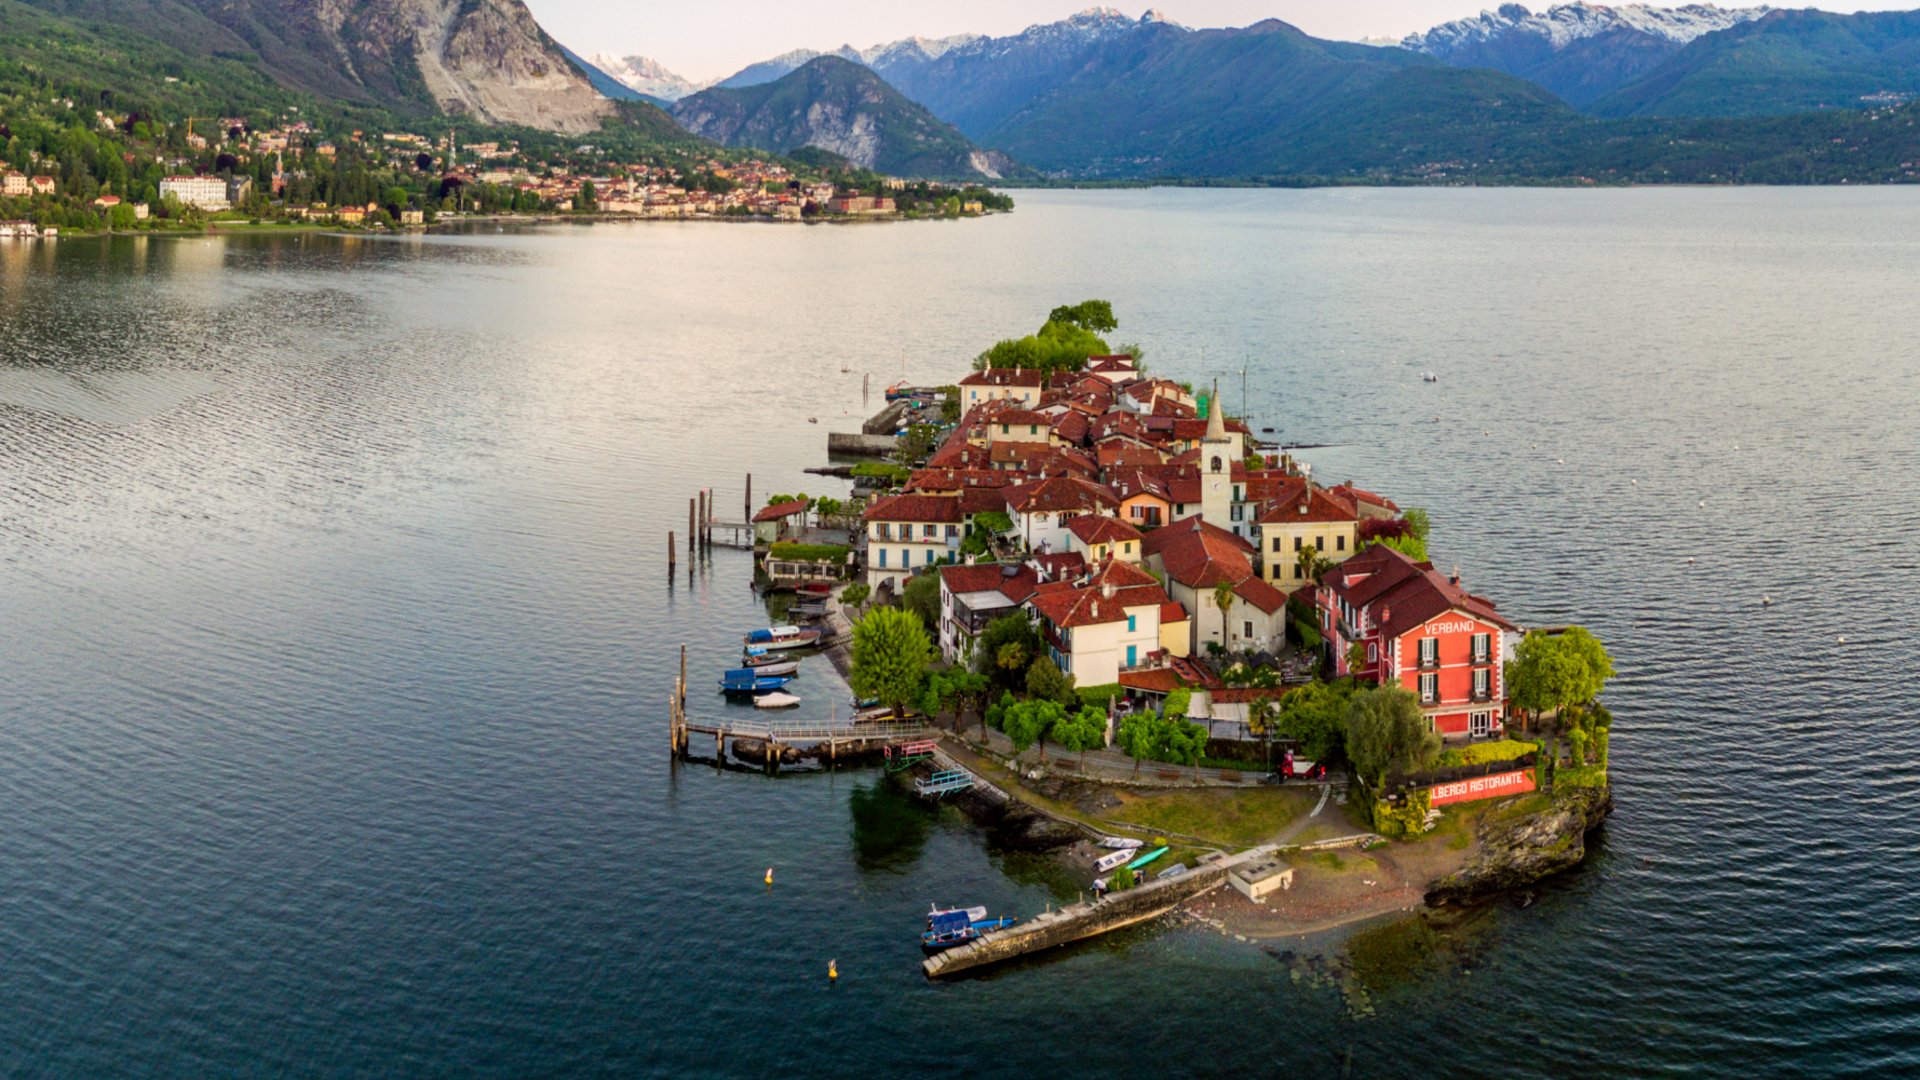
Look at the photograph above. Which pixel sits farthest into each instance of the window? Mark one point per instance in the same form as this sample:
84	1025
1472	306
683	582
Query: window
1133	652
1429	652
1246	631
1216	463
1126	548
1429	688
1482	684
1482	648
953	531
883	558
1340	543
1133	626
1033	429
1370	654
1276	545
1297	544
883	531
1003	429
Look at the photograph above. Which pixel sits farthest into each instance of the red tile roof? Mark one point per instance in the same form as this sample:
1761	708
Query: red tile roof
1016	586
1060	493
1005	377
1310	505
1361	495
914	507
1095	529
1404	594
1104	598
776	511
1151	680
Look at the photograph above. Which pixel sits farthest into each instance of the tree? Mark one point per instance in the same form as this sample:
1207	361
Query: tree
1552	672
586	199
855	594
1083	730
1005	649
1223	599
1045	680
1387	733
1171	738
1356	657
1122	880
1309	563
1028	722
959	690
921	595
1092	315
1314	717
890	656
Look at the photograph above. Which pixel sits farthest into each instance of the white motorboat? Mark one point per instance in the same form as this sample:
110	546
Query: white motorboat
778	699
1125	843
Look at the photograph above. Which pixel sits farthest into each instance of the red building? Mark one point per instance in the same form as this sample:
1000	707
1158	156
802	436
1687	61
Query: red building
1422	630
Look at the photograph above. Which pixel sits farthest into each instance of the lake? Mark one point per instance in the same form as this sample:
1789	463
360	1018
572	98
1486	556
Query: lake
336	635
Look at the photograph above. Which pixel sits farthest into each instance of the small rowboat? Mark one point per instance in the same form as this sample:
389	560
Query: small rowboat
782	637
1147	858
765	663
1107	862
749	681
778	699
1122	842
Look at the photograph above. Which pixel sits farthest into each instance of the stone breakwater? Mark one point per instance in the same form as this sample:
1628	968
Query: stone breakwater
1522	851
1078	921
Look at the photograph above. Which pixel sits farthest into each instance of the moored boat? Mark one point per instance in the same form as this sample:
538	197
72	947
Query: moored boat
748	681
782	637
778	699
946	929
1124	842
766	663
1107	862
1147	858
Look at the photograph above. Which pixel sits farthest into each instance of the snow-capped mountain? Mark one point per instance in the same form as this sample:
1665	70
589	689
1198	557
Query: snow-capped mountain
896	57
1578	50
1563	24
646	76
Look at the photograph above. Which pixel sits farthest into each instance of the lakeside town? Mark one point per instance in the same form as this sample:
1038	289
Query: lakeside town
135	172
1086	600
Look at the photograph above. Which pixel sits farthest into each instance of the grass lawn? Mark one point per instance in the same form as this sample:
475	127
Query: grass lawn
1229	818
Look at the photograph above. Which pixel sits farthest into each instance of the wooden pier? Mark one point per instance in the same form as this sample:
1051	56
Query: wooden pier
777	731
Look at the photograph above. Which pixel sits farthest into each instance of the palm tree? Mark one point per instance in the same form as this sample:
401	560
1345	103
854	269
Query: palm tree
1306	561
1223	599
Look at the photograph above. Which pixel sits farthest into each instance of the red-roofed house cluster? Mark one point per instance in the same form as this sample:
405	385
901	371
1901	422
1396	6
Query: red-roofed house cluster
1135	526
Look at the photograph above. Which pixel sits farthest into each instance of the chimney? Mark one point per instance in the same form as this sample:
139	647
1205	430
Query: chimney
1106	589
1455	579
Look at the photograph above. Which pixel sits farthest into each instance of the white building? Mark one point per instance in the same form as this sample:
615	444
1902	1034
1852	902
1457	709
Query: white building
203	192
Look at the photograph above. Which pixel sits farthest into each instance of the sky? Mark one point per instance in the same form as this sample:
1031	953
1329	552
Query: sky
707	39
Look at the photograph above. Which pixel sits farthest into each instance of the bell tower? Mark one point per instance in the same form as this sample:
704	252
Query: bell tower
1219	449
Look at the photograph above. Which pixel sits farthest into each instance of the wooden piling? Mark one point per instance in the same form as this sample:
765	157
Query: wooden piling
671	561
749	500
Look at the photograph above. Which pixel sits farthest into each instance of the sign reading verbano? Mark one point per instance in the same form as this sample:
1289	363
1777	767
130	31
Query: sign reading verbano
1483	787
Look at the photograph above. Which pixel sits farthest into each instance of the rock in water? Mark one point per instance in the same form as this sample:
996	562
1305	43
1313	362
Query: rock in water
1521	852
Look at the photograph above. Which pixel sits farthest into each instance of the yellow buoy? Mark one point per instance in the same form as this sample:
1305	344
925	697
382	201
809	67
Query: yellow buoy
769	875
833	969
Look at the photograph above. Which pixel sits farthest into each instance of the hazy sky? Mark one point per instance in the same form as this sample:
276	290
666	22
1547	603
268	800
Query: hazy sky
713	38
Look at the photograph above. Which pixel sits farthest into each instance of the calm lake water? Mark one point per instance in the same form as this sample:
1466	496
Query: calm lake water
336	635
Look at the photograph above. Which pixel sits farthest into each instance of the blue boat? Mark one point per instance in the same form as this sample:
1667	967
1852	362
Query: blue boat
748	681
946	929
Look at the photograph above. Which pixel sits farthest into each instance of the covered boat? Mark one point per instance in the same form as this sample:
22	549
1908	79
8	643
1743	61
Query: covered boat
1121	842
1107	862
779	699
748	681
782	637
945	929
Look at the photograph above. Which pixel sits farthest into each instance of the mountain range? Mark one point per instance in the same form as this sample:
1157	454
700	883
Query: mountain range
1577	90
842	107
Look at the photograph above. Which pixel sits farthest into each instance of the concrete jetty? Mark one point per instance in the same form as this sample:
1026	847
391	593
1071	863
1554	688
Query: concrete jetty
1080	921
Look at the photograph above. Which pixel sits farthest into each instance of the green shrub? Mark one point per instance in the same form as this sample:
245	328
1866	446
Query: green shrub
1306	635
1481	753
1099	696
1407	819
1600	740
855	594
1577	745
1122	880
1178	701
827	553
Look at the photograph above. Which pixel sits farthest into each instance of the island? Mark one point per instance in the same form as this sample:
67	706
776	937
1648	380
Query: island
1110	621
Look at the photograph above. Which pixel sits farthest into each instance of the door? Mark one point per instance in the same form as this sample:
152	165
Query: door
1480	724
1132	655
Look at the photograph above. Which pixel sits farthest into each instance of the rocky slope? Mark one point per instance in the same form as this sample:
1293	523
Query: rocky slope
1524	850
486	58
842	107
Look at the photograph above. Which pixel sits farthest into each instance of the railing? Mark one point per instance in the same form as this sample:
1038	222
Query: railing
806	731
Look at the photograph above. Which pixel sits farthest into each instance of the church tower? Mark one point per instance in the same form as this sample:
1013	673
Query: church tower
1219	449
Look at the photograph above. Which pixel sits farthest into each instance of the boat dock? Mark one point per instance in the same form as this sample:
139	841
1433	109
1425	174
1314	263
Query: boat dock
1080	921
777	733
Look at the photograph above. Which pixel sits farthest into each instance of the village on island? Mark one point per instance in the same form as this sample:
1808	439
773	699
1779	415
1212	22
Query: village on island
1085	605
